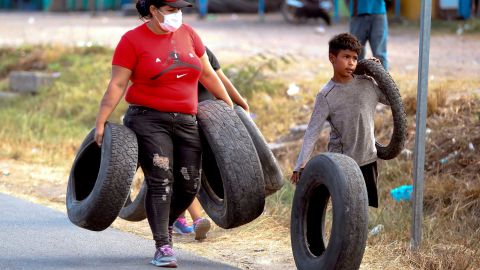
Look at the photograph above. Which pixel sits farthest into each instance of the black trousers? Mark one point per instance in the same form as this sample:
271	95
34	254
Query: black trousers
170	156
370	174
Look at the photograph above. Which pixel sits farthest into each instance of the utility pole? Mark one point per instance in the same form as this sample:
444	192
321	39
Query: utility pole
422	94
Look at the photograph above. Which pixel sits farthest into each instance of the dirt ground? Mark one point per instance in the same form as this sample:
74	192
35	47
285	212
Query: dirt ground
231	37
263	244
246	247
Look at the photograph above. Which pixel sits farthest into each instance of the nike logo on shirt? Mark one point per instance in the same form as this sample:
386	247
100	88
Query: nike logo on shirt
180	76
158	60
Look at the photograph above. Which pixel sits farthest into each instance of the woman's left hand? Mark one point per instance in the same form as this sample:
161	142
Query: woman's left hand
212	82
229	103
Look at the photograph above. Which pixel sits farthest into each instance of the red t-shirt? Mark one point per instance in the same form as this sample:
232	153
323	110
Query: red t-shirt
165	68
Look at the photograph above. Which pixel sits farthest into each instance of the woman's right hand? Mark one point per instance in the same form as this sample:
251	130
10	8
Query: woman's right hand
113	95
99	130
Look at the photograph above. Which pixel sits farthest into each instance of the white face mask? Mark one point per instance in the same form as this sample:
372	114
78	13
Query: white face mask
171	22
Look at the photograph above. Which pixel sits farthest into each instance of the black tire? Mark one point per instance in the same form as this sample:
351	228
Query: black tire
134	208
390	89
272	174
233	190
100	178
337	177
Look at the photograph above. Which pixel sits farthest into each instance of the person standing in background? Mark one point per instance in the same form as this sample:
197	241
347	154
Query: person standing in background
473	8
369	23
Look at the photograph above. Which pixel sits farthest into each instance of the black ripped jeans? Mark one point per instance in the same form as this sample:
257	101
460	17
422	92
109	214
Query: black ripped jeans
170	156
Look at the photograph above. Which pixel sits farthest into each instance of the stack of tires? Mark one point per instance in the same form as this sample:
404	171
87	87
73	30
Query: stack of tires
239	171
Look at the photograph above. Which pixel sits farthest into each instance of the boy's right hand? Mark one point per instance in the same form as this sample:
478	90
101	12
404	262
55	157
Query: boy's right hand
295	177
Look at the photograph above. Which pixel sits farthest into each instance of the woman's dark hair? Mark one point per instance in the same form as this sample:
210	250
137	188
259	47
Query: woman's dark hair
344	41
143	6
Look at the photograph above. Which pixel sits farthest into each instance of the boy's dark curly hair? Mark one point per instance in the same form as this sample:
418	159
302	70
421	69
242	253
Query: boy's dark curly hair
344	41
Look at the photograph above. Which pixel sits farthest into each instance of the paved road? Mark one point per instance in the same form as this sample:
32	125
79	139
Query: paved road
36	237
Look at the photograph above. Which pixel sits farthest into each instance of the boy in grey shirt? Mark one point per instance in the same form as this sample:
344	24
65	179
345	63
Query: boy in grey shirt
348	103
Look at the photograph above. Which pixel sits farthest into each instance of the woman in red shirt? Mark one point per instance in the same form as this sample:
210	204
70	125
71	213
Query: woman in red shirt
164	59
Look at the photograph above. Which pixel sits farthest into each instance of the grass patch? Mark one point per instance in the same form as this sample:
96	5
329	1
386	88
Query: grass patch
61	115
48	128
257	74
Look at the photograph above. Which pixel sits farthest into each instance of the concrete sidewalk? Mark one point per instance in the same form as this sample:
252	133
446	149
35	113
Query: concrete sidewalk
37	237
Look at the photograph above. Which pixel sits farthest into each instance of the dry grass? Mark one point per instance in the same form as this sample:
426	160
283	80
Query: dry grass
437	99
451	234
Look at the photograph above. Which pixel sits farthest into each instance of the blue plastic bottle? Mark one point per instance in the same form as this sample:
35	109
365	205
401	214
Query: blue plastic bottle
402	193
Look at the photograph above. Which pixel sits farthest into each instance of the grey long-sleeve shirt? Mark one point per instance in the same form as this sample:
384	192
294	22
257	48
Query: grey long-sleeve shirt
350	109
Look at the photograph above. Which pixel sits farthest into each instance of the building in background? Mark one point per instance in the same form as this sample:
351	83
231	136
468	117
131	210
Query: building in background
442	9
63	5
408	9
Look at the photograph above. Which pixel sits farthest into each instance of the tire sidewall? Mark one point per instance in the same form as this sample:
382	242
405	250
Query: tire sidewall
342	177
310	180
230	157
272	173
134	210
390	90
109	180
81	210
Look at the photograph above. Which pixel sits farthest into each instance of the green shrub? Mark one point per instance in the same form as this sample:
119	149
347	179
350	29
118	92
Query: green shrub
256	75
